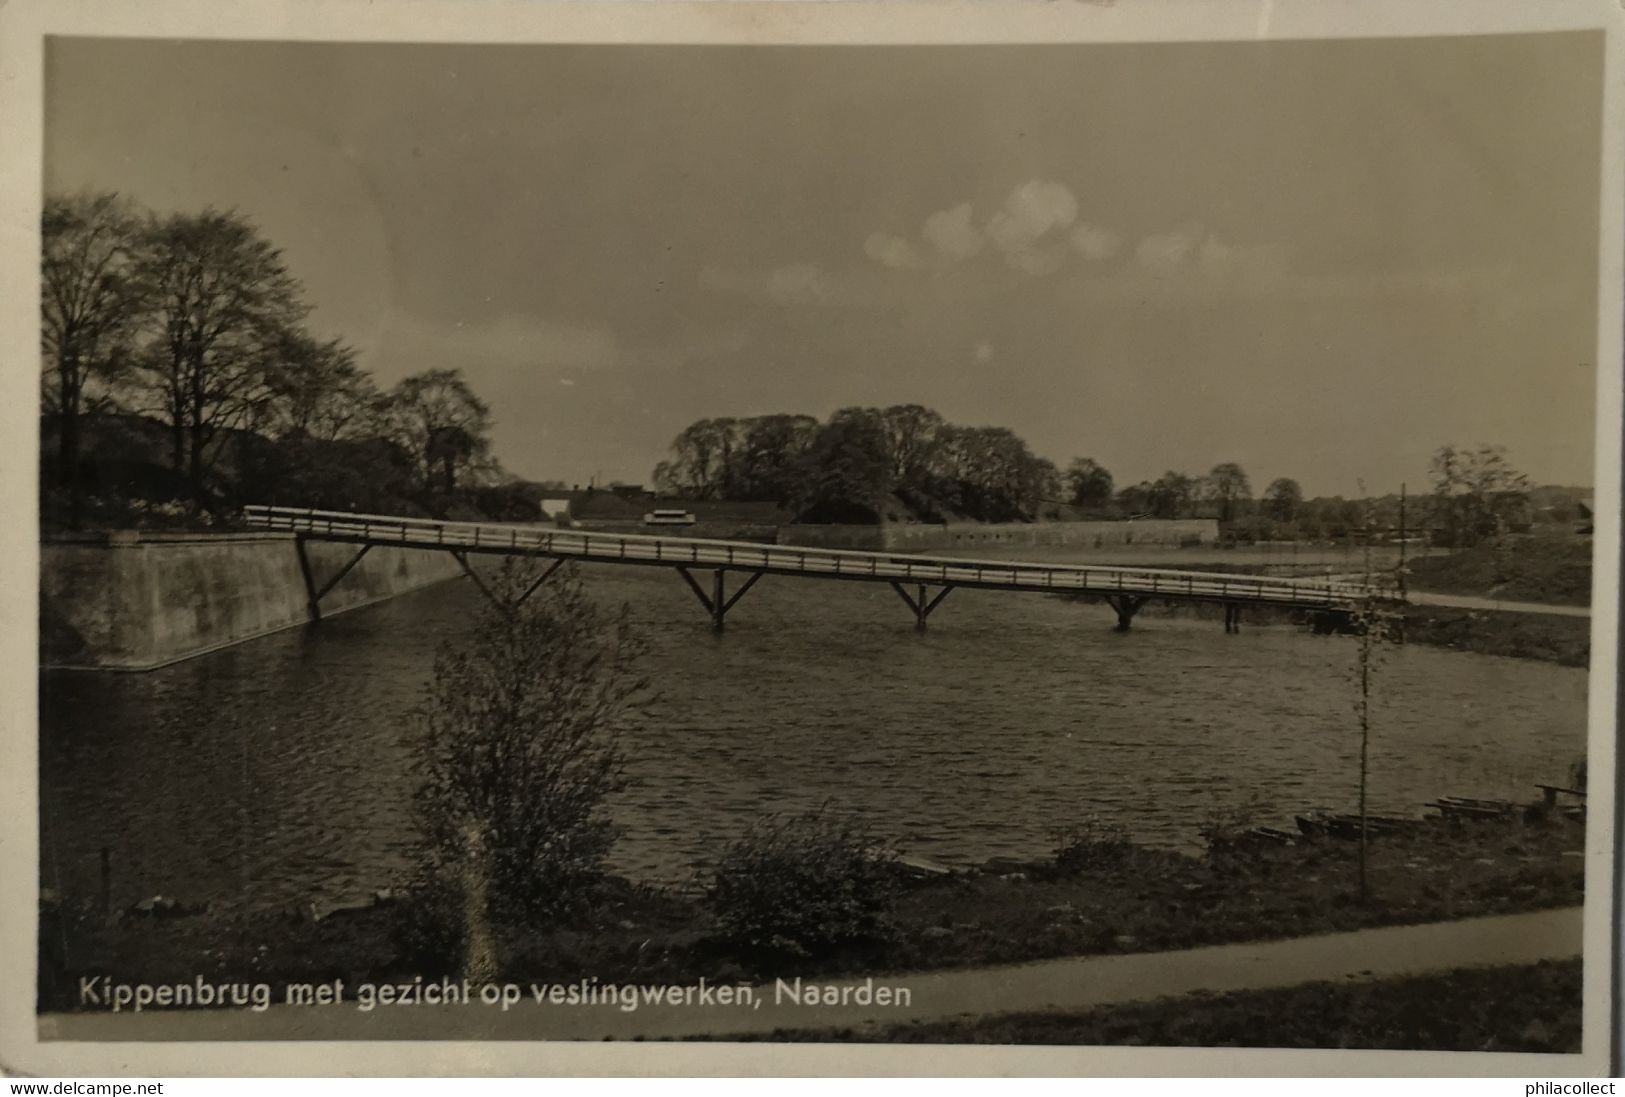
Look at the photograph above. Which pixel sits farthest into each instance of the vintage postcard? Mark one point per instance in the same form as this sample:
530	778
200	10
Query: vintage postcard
994	536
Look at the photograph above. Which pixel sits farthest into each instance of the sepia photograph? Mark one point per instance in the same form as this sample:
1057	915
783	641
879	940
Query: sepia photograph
1045	543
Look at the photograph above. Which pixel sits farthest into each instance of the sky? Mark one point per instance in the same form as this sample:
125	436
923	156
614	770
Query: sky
1320	260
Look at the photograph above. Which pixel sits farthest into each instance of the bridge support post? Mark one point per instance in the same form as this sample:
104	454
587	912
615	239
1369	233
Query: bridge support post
1126	605
311	600
313	593
919	603
1232	618
717	603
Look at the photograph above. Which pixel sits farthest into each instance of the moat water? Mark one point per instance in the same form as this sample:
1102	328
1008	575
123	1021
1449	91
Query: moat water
274	774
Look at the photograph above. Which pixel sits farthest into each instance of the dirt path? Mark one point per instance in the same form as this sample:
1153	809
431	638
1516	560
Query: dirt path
1058	985
1461	601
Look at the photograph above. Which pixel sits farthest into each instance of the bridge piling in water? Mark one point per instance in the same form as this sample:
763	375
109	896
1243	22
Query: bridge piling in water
1126	606
919	603
717	603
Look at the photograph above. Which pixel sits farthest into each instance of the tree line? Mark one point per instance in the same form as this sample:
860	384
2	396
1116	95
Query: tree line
189	328
856	464
863	462
852	466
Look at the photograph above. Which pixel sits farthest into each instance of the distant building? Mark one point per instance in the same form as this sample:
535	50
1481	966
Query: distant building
556	504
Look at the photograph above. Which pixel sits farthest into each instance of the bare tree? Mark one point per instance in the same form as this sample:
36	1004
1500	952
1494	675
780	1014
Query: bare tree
91	303
317	390
221	299
1375	625
1475	492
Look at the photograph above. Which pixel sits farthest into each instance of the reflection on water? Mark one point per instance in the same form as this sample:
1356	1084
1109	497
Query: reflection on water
274	773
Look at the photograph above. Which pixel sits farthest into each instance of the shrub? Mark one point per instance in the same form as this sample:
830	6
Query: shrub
428	930
518	754
1224	828
1090	843
804	886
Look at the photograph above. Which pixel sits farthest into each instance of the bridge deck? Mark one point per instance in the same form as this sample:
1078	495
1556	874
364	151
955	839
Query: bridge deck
821	563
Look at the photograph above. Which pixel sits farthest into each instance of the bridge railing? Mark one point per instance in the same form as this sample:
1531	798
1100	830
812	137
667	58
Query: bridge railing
840	563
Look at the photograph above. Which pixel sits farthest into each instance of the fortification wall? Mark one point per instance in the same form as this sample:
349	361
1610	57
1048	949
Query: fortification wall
134	600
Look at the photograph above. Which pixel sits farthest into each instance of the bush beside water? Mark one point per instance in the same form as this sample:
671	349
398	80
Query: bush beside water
802	886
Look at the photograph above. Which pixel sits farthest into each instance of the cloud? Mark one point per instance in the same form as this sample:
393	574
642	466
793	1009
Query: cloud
1195	253
983	352
1033	212
1165	252
1095	243
803	284
952	233
890	251
1035	230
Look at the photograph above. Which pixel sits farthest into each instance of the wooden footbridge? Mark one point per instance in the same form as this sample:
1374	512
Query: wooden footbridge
922	582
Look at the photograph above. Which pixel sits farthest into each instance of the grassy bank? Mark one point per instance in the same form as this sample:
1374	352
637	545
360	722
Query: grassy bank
1552	568
1532	1008
1101	896
1551	639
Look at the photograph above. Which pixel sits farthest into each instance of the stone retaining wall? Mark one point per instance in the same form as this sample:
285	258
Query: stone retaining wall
135	600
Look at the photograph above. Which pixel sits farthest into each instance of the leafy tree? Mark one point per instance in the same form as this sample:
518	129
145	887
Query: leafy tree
1283	499
847	471
1090	483
518	751
1134	501
437	419
995	476
666	478
92	301
1228	487
221	299
703	464
1171	495
912	435
986	472
768	462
